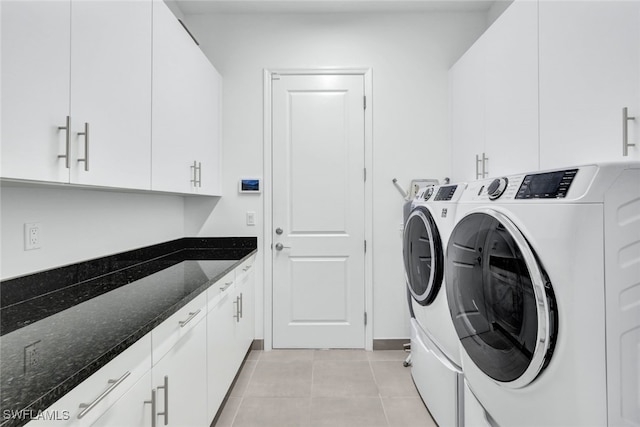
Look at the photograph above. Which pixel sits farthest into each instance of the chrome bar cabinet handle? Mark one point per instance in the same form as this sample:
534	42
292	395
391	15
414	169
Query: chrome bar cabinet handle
192	315
165	387
237	315
194	170
477	163
625	132
226	285
66	156
153	407
199	174
86	146
86	407
241	305
484	166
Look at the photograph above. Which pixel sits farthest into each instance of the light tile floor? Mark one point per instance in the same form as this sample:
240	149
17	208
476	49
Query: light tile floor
313	388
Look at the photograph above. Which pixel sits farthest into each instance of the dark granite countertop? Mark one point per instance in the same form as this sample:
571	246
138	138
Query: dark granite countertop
82	316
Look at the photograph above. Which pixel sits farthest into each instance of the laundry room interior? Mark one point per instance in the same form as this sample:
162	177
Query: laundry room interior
306	212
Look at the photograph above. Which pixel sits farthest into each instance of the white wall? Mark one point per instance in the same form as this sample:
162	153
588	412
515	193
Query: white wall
409	54
80	224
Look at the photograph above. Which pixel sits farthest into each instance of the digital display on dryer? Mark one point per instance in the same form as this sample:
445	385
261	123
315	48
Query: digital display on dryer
549	185
445	193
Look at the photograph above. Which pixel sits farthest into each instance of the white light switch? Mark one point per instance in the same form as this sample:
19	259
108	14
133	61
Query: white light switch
251	218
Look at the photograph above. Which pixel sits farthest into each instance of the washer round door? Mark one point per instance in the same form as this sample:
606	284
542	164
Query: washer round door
501	301
423	256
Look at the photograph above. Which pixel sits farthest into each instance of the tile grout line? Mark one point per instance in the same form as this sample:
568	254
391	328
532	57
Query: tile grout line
375	381
244	392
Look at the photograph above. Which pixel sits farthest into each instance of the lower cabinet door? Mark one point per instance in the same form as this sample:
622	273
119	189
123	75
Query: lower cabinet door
245	327
134	409
221	352
96	396
181	387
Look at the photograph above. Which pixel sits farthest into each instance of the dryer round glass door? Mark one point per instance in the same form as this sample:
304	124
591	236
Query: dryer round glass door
501	301
423	256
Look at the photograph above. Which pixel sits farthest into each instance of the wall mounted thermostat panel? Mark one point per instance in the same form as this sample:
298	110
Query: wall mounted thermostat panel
250	185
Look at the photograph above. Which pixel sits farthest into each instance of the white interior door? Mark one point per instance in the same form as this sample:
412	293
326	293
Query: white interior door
318	211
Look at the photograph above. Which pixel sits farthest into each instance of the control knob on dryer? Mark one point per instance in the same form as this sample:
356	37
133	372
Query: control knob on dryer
428	193
497	187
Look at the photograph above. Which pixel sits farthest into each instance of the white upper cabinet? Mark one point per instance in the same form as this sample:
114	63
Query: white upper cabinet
111	92
589	71
96	65
467	85
186	111
35	88
83	63
494	92
511	78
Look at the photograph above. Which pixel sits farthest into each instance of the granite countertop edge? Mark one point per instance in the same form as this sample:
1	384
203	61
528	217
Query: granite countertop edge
57	392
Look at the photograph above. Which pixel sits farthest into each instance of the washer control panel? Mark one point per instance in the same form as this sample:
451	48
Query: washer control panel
428	192
548	185
445	193
497	187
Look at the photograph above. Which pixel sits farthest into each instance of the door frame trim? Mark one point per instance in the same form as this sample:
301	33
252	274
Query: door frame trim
367	74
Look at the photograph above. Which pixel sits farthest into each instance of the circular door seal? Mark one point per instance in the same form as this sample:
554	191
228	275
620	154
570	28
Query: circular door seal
423	256
501	300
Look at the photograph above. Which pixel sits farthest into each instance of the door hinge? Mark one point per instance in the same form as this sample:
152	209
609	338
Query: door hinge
365	246
365	102
365	174
365	318
188	32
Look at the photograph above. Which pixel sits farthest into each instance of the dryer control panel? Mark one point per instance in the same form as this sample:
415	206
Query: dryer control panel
446	193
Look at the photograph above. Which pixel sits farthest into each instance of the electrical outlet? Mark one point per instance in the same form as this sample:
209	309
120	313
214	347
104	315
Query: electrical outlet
32	236
31	357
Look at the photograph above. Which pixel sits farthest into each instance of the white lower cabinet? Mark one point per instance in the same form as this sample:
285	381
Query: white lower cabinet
134	409
245	324
180	383
94	397
176	375
221	352
230	330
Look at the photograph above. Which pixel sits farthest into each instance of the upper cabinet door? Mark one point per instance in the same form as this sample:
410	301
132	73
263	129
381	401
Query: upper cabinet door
467	85
35	89
589	71
111	92
494	92
186	111
91	62
207	140
511	117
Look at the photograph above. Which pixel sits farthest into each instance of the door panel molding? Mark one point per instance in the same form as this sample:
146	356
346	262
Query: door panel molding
268	76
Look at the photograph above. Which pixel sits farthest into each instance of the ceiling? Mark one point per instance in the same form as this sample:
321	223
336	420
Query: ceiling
189	7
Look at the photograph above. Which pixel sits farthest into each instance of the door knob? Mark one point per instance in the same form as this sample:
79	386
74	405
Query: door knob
280	246
279	231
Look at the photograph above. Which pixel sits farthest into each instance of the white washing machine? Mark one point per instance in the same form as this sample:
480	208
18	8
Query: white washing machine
435	352
543	284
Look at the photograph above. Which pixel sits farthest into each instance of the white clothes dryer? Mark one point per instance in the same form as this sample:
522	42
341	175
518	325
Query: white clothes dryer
543	284
435	353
